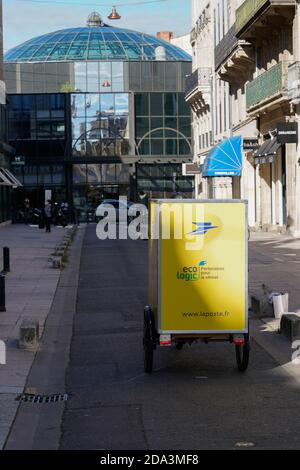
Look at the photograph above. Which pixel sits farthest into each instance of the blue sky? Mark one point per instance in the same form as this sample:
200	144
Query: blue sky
24	19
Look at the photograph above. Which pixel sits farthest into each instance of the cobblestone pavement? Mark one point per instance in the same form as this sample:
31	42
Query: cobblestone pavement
30	288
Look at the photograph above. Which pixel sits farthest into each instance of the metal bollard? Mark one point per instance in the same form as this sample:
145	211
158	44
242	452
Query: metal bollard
2	293
6	260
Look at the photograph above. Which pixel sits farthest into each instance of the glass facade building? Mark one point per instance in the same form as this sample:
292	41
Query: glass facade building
90	43
98	112
5	149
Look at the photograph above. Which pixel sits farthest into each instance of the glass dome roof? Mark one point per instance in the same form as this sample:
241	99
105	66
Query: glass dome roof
96	41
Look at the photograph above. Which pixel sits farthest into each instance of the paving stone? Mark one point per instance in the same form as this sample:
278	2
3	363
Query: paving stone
30	288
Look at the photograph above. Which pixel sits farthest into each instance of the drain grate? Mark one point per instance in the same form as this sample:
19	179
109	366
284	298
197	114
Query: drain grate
31	398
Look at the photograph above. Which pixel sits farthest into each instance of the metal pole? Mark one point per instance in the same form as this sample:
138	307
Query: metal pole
2	293
6	260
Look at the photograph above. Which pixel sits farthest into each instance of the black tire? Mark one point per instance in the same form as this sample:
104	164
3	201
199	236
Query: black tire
242	356
179	346
148	341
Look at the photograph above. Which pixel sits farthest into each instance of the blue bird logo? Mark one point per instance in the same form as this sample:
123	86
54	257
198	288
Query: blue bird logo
203	228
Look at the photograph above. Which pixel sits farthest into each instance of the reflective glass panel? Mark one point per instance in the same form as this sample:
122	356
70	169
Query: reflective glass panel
107	104
185	126
92	104
79	148
78	128
30	175
108	173
58	175
184	148
105	77
156	104
121	126
121	103
142	126
171	146
79	174
44	174
94	173
170	104
92	77
157	147
117	76
122	173
78	105
142	104
157	123
103	43
80	76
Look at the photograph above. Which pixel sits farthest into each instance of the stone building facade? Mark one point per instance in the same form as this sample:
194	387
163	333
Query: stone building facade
255	95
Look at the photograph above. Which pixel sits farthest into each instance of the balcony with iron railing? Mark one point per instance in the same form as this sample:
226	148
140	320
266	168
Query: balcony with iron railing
253	13
267	89
225	47
234	57
198	82
198	89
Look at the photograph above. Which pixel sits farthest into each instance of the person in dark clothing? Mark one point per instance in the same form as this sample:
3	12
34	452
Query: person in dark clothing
48	216
26	210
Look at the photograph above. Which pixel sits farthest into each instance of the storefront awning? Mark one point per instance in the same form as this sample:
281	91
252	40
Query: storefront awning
8	179
225	159
266	153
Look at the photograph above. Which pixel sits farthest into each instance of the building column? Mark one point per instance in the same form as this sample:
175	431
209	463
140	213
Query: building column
248	189
297	169
273	194
291	163
297	187
265	195
278	189
222	187
257	198
296	45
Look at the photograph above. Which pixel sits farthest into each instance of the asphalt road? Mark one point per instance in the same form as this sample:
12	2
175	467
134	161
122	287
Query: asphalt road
195	399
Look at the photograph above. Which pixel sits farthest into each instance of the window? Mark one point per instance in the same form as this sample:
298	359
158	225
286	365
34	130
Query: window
169	114
156	104
170	104
80	76
36	117
160	177
117	76
105	77
92	77
142	126
102	128
142	104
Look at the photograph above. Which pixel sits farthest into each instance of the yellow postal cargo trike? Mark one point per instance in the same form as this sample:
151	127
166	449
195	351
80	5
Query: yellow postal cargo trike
198	275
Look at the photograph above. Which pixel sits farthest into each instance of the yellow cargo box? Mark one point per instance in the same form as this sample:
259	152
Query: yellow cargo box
198	266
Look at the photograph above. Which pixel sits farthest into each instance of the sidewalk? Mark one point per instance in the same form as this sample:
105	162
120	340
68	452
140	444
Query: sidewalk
274	260
30	288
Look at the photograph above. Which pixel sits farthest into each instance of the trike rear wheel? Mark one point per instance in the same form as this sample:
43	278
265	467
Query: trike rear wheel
148	341
242	355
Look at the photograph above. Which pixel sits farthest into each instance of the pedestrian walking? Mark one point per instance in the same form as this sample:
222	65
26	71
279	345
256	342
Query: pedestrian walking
48	216
26	210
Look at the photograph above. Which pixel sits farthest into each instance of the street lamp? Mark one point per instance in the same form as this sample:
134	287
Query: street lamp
114	14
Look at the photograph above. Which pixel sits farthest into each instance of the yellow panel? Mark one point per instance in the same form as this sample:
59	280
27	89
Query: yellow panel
203	276
153	257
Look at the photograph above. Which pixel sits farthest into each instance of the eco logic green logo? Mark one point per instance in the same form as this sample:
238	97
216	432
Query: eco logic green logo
191	273
200	272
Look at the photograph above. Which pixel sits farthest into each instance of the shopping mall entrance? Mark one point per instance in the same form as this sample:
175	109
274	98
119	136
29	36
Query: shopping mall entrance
36	197
87	198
